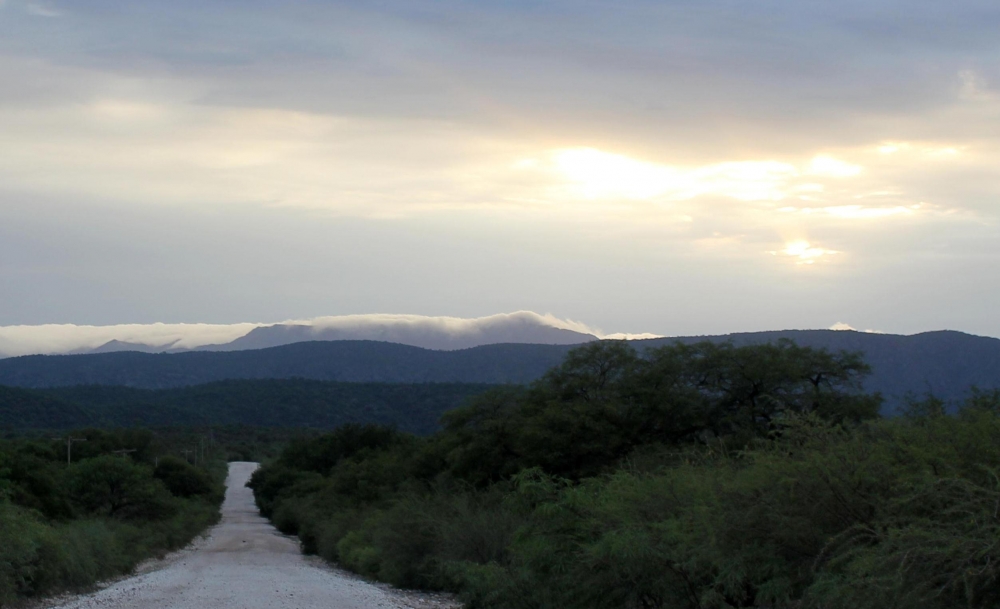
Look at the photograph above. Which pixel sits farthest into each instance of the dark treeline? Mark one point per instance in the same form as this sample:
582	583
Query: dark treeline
302	403
357	361
126	495
699	476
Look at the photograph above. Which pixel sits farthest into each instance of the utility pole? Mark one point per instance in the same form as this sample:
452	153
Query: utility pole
69	447
187	454
124	451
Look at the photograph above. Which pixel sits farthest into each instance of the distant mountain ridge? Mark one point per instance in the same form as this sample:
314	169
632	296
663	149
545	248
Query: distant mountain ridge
946	363
114	346
441	333
511	329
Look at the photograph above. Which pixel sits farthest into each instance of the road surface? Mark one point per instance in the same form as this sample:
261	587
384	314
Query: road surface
245	563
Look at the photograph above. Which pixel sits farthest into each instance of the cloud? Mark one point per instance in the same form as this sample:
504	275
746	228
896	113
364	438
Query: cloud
973	86
856	212
461	325
631	336
555	156
445	325
841	326
40	10
834	168
804	252
150	148
67	338
593	174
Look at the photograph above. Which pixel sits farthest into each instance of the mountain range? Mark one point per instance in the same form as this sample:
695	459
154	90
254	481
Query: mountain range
507	329
443	333
945	363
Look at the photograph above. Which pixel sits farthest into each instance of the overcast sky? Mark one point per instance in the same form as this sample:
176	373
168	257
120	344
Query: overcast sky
673	167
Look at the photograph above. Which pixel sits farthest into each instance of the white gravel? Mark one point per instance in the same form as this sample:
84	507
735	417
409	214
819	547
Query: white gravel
245	563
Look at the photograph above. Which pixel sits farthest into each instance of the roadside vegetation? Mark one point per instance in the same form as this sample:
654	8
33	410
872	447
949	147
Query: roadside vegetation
126	495
699	476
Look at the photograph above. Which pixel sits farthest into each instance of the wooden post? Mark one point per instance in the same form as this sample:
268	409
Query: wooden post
69	447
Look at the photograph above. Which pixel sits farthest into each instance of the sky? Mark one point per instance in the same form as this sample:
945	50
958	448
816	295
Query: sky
668	167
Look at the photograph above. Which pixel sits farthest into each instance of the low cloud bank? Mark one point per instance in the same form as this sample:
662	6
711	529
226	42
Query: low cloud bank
847	327
435	332
71	338
446	325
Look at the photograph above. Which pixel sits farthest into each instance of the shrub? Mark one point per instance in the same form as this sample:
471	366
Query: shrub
183	479
116	487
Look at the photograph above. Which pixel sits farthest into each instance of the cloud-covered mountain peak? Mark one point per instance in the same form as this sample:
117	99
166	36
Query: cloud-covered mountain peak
417	330
445	333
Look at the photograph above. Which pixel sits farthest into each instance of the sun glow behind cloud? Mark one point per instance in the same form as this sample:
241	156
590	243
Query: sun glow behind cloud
804	252
919	149
834	168
854	212
594	174
348	157
137	144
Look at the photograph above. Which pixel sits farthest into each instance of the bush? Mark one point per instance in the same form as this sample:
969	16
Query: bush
21	539
183	479
67	527
117	487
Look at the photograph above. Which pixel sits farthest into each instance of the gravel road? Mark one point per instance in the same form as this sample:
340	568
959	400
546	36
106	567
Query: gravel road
245	563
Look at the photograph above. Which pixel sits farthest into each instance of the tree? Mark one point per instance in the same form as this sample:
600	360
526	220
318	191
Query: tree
479	439
115	486
744	389
183	479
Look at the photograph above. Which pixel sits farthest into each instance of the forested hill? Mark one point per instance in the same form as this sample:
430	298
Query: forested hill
32	409
945	363
271	403
351	361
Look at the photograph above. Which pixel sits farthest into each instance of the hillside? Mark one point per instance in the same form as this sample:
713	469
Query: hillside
29	409
270	403
945	363
351	361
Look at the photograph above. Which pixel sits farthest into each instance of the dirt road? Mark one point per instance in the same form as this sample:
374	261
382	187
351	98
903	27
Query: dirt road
245	563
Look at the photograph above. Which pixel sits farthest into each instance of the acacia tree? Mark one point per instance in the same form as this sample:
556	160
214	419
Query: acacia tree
606	399
744	389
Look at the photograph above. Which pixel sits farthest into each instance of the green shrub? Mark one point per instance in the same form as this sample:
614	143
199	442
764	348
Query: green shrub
21	539
357	553
117	487
183	479
67	527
